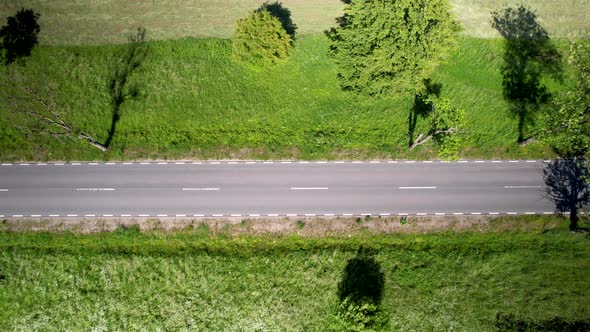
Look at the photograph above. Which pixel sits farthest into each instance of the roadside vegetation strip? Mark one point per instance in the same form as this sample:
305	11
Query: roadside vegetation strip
289	282
337	125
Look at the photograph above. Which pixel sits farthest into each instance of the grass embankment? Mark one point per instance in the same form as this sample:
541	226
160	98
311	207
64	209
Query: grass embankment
195	102
192	279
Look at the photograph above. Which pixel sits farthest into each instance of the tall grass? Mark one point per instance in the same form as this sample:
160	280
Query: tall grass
189	280
195	102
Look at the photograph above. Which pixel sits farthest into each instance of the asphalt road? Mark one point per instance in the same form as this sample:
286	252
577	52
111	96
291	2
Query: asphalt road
272	188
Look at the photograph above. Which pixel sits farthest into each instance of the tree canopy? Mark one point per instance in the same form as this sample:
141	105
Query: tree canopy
567	123
388	46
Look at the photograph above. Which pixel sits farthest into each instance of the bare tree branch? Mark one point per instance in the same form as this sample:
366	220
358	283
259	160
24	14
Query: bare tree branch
421	139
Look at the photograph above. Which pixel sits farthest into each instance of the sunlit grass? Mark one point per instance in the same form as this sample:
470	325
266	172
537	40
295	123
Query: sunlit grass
196	102
128	280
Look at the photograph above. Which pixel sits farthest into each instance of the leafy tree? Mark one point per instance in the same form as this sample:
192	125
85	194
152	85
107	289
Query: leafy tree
260	39
388	46
528	55
567	124
19	35
445	124
567	186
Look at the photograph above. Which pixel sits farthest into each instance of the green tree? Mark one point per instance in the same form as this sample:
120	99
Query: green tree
389	46
260	39
567	123
19	35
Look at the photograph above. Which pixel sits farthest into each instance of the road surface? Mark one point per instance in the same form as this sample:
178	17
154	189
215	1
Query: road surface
279	188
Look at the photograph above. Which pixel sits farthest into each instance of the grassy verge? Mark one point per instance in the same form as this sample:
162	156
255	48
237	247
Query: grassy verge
191	279
195	102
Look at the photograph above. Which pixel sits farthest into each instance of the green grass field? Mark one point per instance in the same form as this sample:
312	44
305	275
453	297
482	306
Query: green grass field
195	102
194	280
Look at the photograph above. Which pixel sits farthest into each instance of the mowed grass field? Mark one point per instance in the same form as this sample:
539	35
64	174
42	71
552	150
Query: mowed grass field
109	21
193	280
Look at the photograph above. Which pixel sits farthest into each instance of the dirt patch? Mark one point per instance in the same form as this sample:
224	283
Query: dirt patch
303	226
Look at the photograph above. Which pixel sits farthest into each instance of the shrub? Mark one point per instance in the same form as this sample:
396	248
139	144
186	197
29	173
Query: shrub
359	316
261	40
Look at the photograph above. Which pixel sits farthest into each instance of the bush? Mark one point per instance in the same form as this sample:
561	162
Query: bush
260	39
359	316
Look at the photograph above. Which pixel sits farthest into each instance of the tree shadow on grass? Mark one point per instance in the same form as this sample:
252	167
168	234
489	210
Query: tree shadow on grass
422	107
528	55
125	63
19	35
362	279
283	14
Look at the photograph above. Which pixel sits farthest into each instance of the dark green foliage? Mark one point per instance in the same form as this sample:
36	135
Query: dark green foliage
261	40
387	46
283	14
528	55
567	186
509	323
19	35
567	122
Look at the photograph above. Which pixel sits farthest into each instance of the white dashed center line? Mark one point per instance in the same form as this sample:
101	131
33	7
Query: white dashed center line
200	189
522	187
412	188
95	189
309	188
3	189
